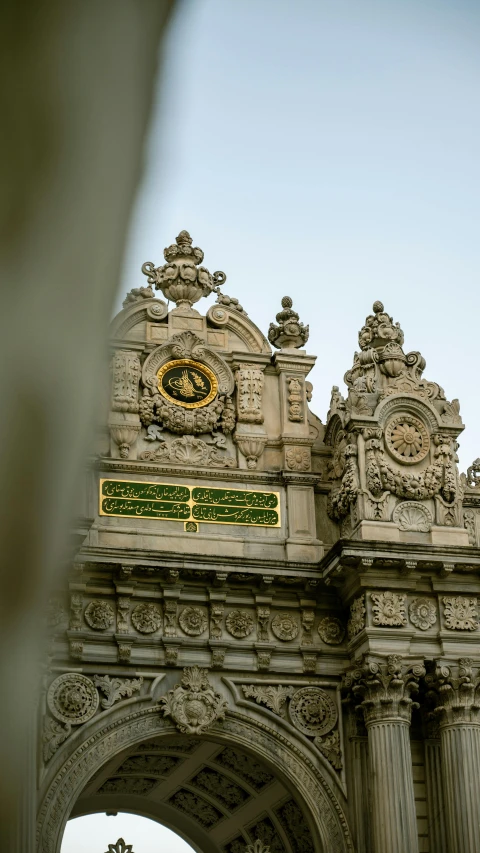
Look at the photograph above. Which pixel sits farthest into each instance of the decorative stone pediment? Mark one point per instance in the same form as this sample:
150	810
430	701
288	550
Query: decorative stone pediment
394	442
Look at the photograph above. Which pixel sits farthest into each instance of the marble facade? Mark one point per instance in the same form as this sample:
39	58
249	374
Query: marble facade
269	635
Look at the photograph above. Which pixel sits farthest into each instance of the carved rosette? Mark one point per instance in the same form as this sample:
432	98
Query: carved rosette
193	621
72	698
423	613
99	615
146	618
383	688
331	630
312	711
239	623
193	704
285	627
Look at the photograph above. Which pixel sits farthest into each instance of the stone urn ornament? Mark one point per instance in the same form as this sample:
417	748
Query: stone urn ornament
290	332
181	279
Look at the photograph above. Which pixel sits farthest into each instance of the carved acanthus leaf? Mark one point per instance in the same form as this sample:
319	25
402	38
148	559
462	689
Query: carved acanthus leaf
115	689
274	698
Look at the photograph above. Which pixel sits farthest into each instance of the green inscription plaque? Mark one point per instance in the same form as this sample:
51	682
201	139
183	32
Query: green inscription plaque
189	503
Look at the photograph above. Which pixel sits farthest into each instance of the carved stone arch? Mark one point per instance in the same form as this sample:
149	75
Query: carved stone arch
333	427
241	325
80	758
414	406
138	312
188	345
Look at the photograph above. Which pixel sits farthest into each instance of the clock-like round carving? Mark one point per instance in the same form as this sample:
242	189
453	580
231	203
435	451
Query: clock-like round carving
407	439
187	383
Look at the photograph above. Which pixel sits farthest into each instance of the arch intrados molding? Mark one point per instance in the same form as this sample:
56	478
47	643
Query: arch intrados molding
256	738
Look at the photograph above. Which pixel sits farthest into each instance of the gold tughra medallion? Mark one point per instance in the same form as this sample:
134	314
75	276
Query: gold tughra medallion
187	383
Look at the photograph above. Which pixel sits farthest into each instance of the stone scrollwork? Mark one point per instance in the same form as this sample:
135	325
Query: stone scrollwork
389	609
460	613
115	689
413	516
313	711
193	704
193	621
249	394
331	630
126	370
99	615
285	627
146	618
54	734
239	623
423	613
72	699
356	623
274	697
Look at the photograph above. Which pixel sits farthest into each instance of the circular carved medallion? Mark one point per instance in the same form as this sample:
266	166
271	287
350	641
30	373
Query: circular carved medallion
313	711
239	623
285	627
407	439
99	615
331	630
423	613
187	383
146	618
72	698
193	621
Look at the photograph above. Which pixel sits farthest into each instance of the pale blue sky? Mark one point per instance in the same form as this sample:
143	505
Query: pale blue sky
328	149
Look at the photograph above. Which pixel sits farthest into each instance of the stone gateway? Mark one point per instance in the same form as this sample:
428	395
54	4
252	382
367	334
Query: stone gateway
269	638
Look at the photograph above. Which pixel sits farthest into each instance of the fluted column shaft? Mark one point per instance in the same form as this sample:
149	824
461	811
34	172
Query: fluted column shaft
460	745
454	687
394	824
384	686
435	799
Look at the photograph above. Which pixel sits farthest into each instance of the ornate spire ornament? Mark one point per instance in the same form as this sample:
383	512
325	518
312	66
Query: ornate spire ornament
290	332
120	847
181	279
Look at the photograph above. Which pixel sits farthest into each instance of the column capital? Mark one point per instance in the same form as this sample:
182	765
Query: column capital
382	688
453	689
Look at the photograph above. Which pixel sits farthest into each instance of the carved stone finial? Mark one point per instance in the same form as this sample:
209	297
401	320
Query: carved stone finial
193	704
120	847
181	279
379	329
382	689
290	332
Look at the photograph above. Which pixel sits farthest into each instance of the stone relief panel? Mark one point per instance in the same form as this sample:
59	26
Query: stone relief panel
126	369
296	399
249	382
149	765
460	613
266	832
229	794
196	808
129	785
409	515
388	609
356	623
253	772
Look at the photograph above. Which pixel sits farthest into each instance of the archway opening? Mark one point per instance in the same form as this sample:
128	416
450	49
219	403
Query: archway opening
218	798
97	833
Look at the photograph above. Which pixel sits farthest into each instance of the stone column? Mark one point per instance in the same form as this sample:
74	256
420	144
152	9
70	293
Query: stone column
454	689
382	690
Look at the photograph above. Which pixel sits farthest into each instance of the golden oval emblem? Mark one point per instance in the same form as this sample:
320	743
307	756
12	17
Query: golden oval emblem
187	383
